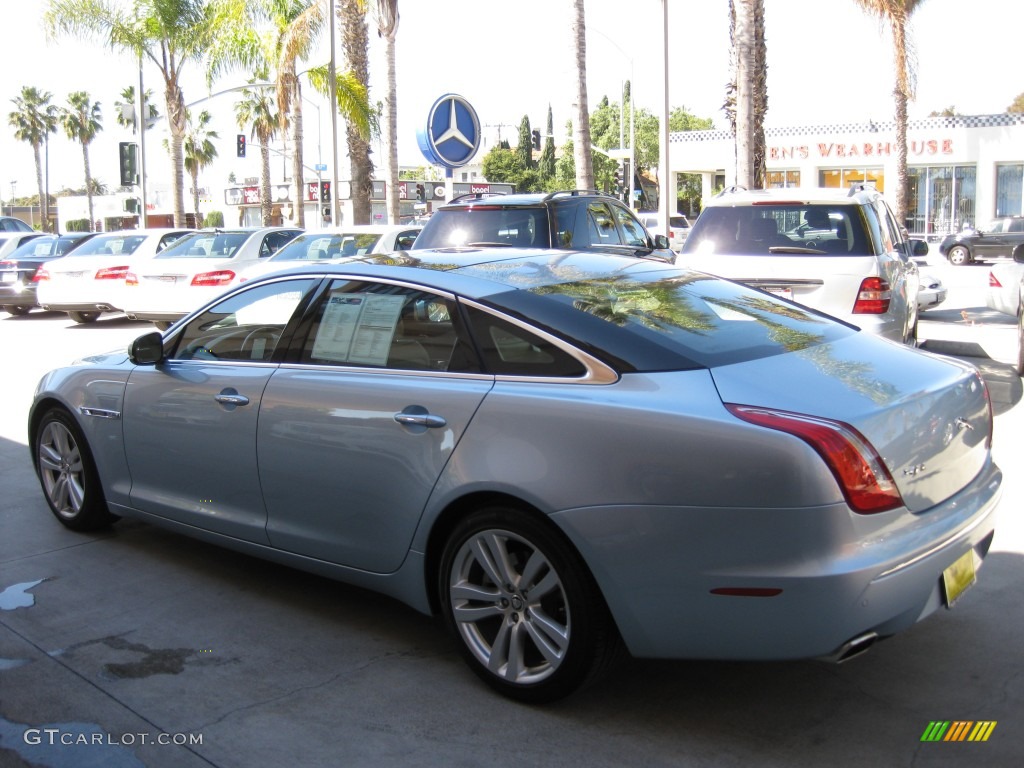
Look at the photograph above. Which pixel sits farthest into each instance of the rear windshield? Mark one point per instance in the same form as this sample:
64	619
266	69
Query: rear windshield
672	320
763	230
206	245
109	245
317	247
484	225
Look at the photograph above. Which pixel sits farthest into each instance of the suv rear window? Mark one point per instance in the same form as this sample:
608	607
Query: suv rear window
486	225
762	230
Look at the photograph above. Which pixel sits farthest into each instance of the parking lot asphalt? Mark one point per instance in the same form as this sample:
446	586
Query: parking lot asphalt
138	647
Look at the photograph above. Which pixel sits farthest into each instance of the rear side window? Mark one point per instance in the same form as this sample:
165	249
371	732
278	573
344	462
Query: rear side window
512	350
485	225
768	230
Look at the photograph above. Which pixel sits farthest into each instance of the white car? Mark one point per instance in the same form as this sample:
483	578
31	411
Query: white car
90	280
196	269
334	244
678	230
837	251
1004	285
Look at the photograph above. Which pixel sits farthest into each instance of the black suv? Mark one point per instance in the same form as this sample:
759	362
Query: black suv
578	220
997	240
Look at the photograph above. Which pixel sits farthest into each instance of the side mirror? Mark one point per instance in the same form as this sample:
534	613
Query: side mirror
1018	254
147	349
661	242
918	248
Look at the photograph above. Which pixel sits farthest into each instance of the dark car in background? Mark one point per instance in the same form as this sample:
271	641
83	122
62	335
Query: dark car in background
580	220
18	270
996	240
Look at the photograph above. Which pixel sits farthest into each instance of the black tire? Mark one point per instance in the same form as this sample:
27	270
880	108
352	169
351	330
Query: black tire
529	646
959	255
16	311
68	474
84	317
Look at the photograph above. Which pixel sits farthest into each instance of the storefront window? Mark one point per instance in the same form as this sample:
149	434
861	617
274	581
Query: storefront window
1009	186
844	178
781	179
941	199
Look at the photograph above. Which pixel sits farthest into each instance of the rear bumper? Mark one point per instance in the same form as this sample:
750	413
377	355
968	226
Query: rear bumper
18	295
839	576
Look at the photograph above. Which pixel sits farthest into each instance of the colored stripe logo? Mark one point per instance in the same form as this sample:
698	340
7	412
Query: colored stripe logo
958	730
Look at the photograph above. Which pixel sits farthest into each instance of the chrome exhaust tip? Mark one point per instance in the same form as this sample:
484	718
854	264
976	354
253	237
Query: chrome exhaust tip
853	647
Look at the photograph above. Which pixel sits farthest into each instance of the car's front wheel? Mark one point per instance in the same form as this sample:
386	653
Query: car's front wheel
959	255
1020	341
68	475
530	619
84	317
18	311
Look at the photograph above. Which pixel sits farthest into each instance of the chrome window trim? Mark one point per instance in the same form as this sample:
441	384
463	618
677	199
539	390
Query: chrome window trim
99	413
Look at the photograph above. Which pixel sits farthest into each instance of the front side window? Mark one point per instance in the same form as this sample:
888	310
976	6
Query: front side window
632	232
379	325
246	326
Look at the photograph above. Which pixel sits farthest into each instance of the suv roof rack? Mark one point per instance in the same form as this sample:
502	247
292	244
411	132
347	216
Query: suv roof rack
861	186
731	190
474	196
572	193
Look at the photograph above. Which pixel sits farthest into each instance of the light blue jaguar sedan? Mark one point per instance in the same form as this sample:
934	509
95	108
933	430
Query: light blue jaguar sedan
564	455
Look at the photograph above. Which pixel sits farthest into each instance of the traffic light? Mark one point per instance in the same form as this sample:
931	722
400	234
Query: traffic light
535	138
421	193
128	154
240	145
132	205
325	191
619	175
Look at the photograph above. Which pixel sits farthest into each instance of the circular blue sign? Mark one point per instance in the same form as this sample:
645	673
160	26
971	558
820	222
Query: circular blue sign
452	133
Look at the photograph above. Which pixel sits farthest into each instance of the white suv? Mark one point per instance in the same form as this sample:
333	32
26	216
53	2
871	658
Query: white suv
678	227
839	252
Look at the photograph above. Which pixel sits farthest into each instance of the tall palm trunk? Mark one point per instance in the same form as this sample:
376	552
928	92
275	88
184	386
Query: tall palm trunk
901	95
266	204
44	203
177	120
391	128
355	40
745	73
298	164
194	173
581	140
88	182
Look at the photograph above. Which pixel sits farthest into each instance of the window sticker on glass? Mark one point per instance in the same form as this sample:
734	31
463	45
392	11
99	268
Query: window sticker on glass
358	328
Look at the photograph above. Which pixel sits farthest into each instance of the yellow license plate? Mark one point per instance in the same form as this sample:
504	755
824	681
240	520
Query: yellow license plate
958	578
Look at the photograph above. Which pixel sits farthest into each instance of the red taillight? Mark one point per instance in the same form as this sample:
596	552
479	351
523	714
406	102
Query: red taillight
112	273
220	277
866	483
41	275
993	281
131	279
873	297
5	264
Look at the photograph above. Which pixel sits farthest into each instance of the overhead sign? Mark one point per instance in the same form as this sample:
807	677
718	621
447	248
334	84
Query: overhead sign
452	134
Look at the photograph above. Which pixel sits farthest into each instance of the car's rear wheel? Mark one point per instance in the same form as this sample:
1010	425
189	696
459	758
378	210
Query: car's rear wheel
959	255
84	317
530	618
12	310
68	475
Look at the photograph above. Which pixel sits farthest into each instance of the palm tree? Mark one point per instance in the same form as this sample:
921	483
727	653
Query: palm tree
747	95
199	153
81	123
33	120
170	33
387	27
125	109
256	114
355	42
581	143
896	14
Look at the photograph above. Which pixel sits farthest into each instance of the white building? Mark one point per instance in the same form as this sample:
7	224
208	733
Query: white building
964	170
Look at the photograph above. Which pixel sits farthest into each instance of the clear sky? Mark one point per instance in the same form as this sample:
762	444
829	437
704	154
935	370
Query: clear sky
827	62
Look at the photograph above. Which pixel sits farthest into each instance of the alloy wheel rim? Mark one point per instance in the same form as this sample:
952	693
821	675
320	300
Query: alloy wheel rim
510	607
62	469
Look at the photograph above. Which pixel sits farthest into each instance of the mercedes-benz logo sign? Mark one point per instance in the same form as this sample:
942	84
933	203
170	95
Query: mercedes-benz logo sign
452	134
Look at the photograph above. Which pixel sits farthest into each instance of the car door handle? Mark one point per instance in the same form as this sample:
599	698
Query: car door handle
418	416
231	397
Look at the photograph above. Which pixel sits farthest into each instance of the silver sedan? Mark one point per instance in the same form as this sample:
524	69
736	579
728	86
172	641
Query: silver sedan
562	454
